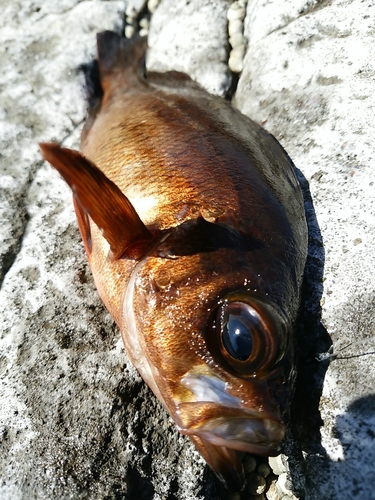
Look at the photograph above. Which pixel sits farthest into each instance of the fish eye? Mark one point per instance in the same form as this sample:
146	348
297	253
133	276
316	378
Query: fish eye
246	335
237	323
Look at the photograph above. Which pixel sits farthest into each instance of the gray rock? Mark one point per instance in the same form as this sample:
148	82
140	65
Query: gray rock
76	421
192	37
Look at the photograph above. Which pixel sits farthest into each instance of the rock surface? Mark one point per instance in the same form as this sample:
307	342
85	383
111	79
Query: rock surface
76	421
191	36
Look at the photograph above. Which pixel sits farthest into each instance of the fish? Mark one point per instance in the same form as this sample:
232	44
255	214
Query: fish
193	223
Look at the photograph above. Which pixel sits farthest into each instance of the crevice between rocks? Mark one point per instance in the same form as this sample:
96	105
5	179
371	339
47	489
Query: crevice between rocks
22	220
10	256
231	92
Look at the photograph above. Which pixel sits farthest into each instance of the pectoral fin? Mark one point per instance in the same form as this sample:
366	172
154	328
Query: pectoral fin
103	201
84	225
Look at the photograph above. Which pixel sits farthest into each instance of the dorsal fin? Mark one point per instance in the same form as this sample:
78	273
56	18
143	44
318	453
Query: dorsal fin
108	207
119	59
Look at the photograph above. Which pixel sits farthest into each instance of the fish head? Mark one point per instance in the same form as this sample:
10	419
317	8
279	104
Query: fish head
217	354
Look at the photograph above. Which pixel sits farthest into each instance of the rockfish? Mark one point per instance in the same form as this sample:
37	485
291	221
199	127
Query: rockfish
194	227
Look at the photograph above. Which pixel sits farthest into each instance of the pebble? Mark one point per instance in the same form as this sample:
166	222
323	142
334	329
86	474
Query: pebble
284	486
237	40
235	11
235	15
129	31
249	464
277	465
236	56
235	26
131	12
256	484
239	50
152	4
272	493
264	470
144	23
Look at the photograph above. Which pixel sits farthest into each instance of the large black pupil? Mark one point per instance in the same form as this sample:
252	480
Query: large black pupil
237	338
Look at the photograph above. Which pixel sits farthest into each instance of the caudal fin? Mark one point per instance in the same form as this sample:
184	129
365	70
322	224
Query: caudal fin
120	60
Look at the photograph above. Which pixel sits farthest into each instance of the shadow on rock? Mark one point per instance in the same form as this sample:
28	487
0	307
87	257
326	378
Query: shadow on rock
356	431
312	340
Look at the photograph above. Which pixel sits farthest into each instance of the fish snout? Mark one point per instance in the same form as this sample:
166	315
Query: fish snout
246	431
222	419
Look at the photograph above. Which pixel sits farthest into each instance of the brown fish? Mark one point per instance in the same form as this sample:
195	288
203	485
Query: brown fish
193	223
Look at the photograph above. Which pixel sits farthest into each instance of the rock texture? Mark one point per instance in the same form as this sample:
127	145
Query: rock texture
191	36
76	421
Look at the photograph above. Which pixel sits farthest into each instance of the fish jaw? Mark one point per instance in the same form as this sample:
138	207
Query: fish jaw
249	432
225	462
221	418
222	430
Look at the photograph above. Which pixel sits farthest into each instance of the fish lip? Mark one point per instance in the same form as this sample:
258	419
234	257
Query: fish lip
220	418
250	432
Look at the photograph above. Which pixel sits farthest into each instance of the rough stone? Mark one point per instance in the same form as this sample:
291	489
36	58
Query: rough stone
236	57
152	5
277	465
129	31
76	421
235	11
235	26
191	36
237	40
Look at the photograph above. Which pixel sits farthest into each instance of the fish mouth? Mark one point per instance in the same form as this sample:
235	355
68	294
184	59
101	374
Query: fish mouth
219	418
250	434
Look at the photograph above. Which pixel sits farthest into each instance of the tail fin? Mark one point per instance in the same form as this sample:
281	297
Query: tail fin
120	60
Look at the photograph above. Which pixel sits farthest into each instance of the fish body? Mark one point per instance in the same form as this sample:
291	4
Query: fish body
193	224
